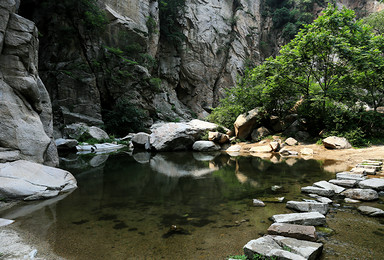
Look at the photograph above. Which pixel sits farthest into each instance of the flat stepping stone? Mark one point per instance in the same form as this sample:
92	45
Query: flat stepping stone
274	247
375	183
329	186
5	222
371	211
318	191
306	206
364	171
373	162
350	176
344	183
368	166
361	194
261	149
308	219
294	231
320	198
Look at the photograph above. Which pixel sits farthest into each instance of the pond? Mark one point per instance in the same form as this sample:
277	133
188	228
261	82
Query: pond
184	206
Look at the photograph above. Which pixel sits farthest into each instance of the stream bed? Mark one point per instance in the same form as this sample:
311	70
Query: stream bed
185	206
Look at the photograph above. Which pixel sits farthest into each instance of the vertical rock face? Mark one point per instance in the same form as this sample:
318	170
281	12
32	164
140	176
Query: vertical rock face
26	114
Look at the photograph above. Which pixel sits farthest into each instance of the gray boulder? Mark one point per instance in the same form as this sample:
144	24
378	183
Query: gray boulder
76	130
28	180
246	122
97	133
334	142
141	140
375	183
305	206
259	133
66	144
361	194
178	136
205	146
308	219
371	211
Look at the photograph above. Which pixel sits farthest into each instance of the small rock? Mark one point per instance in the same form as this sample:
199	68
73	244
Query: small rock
5	222
344	183
294	231
371	211
318	191
275	187
205	146
360	194
306	151
320	198
258	203
291	141
308	219
348	200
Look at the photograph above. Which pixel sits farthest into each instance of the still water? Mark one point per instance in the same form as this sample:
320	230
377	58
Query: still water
184	206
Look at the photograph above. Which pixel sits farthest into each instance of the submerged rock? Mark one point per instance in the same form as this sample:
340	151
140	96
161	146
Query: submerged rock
23	179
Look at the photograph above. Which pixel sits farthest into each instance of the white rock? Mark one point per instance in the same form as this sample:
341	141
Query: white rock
309	219
375	183
305	206
329	186
205	146
360	194
291	141
350	176
344	183
371	211
334	142
318	191
261	149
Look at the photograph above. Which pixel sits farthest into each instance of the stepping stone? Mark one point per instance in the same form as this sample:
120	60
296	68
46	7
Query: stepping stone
368	166
318	191
363	171
344	183
294	231
329	186
261	149
320	198
258	203
350	176
376	184
5	222
360	194
305	206
371	211
273	200
308	219
373	162
273	248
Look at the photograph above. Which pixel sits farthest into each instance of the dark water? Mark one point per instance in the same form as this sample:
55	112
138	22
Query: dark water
184	206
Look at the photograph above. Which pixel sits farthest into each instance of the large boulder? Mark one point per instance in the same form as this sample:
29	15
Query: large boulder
25	106
141	141
259	133
178	136
246	122
334	142
28	180
81	130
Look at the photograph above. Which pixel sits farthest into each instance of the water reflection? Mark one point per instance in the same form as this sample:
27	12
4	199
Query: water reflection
183	205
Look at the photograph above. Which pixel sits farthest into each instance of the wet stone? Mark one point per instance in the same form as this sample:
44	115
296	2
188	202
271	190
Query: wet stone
305	206
309	218
329	186
294	231
376	184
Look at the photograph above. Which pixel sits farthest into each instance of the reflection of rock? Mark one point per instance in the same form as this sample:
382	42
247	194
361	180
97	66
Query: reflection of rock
205	157
98	160
179	169
142	157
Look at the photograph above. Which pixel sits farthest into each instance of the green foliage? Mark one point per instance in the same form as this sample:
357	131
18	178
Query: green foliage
124	118
155	83
151	25
376	21
169	13
333	66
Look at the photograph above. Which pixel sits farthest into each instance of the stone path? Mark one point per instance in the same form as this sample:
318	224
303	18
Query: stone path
293	235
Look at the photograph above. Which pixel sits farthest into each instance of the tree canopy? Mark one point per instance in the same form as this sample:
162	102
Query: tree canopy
334	66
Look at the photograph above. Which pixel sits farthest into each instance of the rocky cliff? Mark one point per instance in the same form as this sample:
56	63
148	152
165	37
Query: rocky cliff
25	108
90	66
